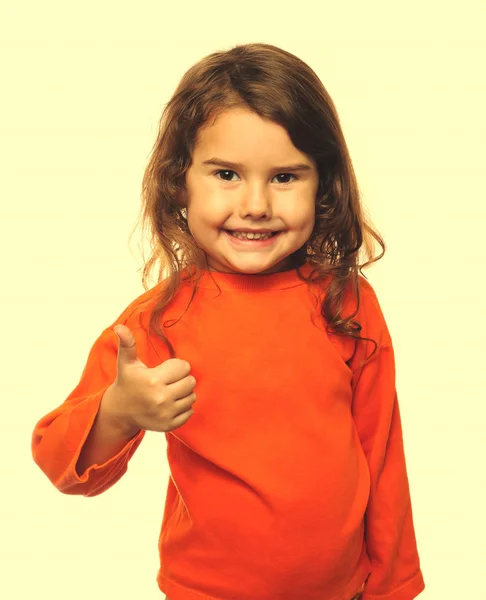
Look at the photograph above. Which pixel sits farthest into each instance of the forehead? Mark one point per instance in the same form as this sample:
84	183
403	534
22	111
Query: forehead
239	132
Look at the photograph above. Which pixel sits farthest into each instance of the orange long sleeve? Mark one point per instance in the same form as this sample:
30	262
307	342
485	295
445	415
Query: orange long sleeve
289	480
59	436
389	530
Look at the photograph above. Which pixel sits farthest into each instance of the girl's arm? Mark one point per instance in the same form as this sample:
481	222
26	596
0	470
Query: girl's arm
106	438
389	528
68	433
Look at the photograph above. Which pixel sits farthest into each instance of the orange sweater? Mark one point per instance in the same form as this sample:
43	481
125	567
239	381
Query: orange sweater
289	480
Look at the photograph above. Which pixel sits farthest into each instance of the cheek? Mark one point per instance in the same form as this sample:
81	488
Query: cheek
210	213
311	221
202	218
307	225
303	219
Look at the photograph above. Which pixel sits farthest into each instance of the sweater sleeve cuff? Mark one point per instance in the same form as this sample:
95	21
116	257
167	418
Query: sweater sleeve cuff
98	477
408	591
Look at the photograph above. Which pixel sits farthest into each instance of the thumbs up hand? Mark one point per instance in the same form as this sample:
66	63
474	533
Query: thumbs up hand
154	399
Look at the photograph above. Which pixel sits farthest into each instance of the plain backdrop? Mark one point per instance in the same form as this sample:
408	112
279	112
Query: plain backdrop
83	88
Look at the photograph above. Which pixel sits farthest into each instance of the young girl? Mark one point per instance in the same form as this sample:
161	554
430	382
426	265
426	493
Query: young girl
287	471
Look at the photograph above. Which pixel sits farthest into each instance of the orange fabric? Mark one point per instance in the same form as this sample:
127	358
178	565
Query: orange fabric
289	481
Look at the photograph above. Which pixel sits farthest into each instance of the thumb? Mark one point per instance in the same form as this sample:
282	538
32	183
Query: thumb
127	347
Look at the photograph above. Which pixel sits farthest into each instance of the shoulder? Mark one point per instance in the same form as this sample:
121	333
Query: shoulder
136	315
371	314
362	305
140	307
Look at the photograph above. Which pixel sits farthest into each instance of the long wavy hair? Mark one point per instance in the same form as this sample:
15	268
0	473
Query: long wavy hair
278	86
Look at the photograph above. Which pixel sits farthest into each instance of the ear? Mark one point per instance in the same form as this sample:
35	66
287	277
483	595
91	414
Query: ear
182	202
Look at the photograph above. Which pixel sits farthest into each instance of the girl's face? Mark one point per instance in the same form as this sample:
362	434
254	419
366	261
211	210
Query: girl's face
261	193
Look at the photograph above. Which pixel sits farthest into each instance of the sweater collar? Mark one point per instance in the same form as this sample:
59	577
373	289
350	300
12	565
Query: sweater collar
244	282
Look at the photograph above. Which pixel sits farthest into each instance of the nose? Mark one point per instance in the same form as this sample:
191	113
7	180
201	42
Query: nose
255	203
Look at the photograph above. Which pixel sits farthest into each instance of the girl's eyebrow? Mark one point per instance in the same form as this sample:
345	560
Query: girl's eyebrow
232	165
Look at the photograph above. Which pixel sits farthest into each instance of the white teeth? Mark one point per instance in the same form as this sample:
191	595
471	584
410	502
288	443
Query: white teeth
251	236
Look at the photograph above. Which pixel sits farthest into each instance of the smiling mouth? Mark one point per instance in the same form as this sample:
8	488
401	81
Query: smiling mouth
252	243
272	233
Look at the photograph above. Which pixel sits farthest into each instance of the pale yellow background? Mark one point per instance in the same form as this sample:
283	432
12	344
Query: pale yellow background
83	86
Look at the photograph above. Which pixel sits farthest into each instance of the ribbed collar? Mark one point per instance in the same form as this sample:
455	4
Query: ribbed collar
243	282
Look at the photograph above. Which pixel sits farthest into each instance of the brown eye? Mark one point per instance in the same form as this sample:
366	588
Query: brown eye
225	171
278	175
285	175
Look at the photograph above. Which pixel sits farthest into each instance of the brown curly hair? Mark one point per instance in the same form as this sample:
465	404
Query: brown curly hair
280	87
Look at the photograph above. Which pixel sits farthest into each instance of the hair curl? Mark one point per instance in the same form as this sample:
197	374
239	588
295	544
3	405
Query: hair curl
282	88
